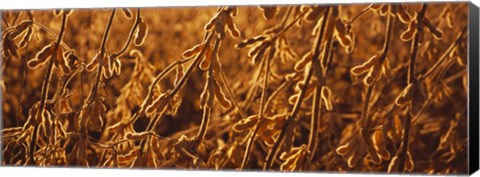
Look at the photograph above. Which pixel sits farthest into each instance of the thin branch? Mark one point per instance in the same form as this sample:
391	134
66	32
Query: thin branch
445	54
130	35
274	151
45	86
361	13
16	18
93	92
5	21
411	78
207	109
261	111
230	93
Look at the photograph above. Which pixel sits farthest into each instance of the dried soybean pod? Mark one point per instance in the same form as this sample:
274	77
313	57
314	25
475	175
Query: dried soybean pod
21	28
268	12
403	15
207	59
179	74
326	97
245	124
93	64
127	13
106	64
232	28
61	60
408	34
292	99
314	13
255	49
343	150
193	51
221	98
21	139
250	41
67	11
405	96
340	26
211	23
205	94
136	136
142	32
11	130
259	55
300	65
364	67
57	12
376	6
344	40
384	10
158	104
61	129
372	75
41	56
117	65
26	38
409	165
437	33
287	155
378	140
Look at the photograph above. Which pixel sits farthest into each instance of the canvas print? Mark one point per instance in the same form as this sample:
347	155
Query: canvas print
332	88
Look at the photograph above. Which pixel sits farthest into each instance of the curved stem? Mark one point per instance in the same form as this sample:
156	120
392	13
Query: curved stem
411	79
365	120
93	92
184	79
157	79
45	86
320	73
285	18
444	55
152	123
43	27
366	105
314	123
207	109
279	34
253	90
106	34
5	21
130	36
276	92
273	152
263	106
386	46
358	15
230	93
16	18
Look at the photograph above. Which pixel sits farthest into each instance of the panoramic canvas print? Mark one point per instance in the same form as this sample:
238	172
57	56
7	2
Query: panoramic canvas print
304	88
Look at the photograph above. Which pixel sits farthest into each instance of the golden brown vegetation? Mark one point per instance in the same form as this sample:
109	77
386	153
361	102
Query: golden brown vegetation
365	88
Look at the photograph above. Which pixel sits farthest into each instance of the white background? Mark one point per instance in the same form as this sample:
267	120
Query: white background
72	172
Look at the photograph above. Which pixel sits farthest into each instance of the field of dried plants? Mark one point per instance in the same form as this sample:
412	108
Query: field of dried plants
341	88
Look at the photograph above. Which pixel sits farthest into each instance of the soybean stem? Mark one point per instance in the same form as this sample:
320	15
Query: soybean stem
93	92
45	86
273	152
130	36
411	79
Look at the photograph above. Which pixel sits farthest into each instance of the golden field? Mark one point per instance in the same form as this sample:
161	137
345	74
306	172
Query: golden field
342	88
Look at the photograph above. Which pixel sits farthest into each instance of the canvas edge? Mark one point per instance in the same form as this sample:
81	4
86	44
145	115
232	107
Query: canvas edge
1	98
473	107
